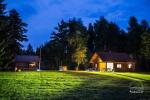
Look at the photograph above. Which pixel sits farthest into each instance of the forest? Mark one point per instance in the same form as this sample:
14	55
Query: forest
72	43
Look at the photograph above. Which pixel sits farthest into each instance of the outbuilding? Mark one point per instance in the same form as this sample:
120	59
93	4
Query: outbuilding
26	62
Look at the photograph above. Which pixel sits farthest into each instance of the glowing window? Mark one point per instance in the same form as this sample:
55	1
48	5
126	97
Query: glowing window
32	64
129	65
110	65
119	65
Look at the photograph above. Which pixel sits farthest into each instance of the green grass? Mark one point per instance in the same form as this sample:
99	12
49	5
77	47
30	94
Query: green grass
72	85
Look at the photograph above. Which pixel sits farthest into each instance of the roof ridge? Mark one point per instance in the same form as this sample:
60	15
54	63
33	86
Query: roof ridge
112	52
114	56
28	55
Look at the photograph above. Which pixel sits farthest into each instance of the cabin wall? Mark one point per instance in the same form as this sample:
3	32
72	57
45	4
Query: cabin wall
102	66
99	65
124	67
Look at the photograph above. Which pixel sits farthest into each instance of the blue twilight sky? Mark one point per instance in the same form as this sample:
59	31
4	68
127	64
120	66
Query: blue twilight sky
43	15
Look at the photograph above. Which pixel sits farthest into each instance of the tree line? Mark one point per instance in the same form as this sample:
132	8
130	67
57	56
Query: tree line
72	43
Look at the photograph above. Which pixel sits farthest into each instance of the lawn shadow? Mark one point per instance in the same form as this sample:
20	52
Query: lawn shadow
101	87
140	79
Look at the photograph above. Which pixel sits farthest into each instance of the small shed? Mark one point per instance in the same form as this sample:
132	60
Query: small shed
63	68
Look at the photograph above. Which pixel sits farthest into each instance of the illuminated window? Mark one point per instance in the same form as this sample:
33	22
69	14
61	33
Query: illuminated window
129	65
110	66
119	65
32	64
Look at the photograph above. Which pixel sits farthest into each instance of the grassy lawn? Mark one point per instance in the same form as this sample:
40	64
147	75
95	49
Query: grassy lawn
73	85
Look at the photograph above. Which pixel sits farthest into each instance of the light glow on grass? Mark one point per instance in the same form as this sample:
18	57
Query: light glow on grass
125	75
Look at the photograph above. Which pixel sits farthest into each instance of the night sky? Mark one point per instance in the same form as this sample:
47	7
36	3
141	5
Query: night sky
43	15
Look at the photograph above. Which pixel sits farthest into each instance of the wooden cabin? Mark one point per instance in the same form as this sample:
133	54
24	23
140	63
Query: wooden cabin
26	62
110	61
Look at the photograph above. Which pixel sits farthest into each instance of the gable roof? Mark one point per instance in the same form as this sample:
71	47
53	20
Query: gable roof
27	58
115	57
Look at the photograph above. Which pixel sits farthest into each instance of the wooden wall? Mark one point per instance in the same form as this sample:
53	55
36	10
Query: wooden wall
25	66
124	67
102	66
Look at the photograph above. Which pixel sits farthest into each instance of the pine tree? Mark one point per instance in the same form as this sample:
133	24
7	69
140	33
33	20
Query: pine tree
12	31
3	21
91	39
134	36
113	37
145	49
30	50
17	30
101	29
60	42
4	38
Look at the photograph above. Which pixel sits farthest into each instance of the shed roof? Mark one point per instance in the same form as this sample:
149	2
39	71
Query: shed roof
27	58
115	57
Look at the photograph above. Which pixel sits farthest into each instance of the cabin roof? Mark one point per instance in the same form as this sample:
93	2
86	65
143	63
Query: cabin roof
115	57
27	58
